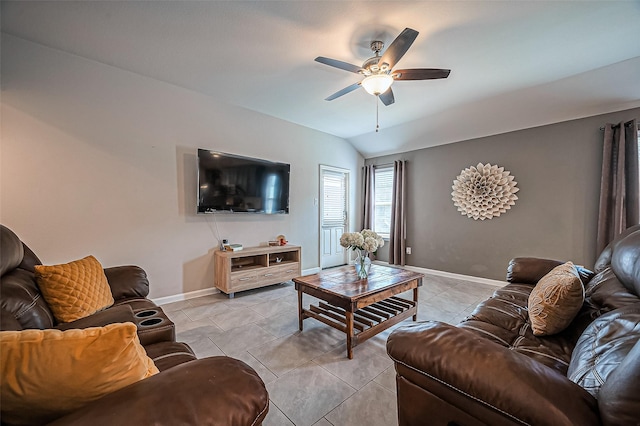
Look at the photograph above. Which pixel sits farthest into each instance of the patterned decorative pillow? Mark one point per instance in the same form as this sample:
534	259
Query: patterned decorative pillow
555	300
46	374
74	290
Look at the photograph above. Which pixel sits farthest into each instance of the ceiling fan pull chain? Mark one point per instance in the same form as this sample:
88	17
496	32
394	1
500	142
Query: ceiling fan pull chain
377	108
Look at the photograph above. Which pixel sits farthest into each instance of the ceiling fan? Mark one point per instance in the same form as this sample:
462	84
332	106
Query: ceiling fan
378	70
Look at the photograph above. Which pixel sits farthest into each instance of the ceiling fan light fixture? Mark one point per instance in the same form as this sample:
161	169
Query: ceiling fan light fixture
377	84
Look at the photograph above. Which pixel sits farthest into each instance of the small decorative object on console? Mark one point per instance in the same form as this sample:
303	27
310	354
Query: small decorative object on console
282	240
363	242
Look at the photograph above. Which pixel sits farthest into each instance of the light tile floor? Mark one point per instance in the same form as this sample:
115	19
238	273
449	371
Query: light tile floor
308	375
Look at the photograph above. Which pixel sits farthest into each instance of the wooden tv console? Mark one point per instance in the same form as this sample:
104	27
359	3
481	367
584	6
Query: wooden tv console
255	267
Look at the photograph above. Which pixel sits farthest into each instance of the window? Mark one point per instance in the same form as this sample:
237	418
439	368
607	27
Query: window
383	177
335	198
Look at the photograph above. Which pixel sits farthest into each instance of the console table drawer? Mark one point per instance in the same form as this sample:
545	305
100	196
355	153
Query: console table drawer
241	278
268	275
289	270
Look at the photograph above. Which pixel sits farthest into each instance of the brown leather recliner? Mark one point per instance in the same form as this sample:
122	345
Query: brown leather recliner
187	391
491	370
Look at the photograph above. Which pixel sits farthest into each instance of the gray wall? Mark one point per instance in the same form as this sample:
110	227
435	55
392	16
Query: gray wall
557	168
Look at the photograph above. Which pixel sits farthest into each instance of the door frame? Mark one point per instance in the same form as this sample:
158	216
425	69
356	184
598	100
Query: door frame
347	174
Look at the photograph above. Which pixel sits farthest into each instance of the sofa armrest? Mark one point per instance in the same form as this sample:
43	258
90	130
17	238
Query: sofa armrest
127	281
529	270
209	391
483	378
112	315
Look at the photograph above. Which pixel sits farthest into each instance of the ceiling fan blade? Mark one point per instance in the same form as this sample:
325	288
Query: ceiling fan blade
398	47
343	91
339	64
421	74
387	97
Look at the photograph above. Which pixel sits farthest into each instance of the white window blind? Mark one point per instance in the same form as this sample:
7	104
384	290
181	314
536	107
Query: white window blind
335	202
382	200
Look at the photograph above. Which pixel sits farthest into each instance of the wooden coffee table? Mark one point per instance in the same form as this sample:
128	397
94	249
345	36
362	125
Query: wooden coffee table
359	308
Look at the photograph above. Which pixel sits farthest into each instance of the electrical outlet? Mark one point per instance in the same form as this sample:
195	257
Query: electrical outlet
408	250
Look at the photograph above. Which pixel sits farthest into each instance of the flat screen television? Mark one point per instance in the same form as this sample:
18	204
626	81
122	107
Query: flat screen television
232	184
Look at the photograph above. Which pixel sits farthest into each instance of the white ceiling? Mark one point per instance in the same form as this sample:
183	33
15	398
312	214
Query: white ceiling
515	64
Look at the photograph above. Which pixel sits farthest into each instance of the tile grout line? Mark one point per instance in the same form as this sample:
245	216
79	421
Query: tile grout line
323	340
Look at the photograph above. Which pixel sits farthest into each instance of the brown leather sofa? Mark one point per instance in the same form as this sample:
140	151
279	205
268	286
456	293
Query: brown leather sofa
490	369
187	391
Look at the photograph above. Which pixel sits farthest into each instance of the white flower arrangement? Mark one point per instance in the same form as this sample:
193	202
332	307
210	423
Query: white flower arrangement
365	240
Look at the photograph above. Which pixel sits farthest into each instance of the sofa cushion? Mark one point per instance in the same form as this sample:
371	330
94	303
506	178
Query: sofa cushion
22	299
49	373
11	248
605	293
74	290
504	320
619	396
9	321
604	259
555	300
603	346
625	261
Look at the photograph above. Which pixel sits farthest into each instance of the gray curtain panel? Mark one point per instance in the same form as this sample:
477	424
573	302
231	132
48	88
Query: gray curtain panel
368	179
398	234
619	192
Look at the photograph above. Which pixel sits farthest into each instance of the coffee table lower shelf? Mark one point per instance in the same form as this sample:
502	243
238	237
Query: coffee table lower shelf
367	321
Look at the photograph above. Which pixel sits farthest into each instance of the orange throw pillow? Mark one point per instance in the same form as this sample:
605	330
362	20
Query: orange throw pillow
49	373
74	290
555	300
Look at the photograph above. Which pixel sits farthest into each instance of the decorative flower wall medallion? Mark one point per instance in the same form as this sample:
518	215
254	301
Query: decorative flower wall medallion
484	191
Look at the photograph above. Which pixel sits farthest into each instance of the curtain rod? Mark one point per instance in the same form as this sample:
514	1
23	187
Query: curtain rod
382	165
617	125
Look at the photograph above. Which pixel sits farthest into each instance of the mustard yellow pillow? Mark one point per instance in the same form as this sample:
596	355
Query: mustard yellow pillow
74	290
555	300
49	373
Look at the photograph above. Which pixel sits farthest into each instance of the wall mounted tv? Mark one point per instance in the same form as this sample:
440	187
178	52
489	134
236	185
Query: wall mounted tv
233	184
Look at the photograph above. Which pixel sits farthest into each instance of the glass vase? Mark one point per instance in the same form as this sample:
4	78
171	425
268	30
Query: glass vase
362	264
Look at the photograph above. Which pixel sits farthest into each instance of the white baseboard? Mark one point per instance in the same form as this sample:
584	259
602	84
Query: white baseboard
185	296
479	280
207	291
311	271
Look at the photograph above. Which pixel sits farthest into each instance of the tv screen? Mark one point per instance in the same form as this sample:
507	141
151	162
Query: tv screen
230	183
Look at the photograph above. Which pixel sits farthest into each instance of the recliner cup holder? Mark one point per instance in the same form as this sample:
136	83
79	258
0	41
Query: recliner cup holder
154	326
151	321
148	313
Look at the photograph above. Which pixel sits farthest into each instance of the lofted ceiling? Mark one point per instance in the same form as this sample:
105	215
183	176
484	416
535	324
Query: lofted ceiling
514	64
